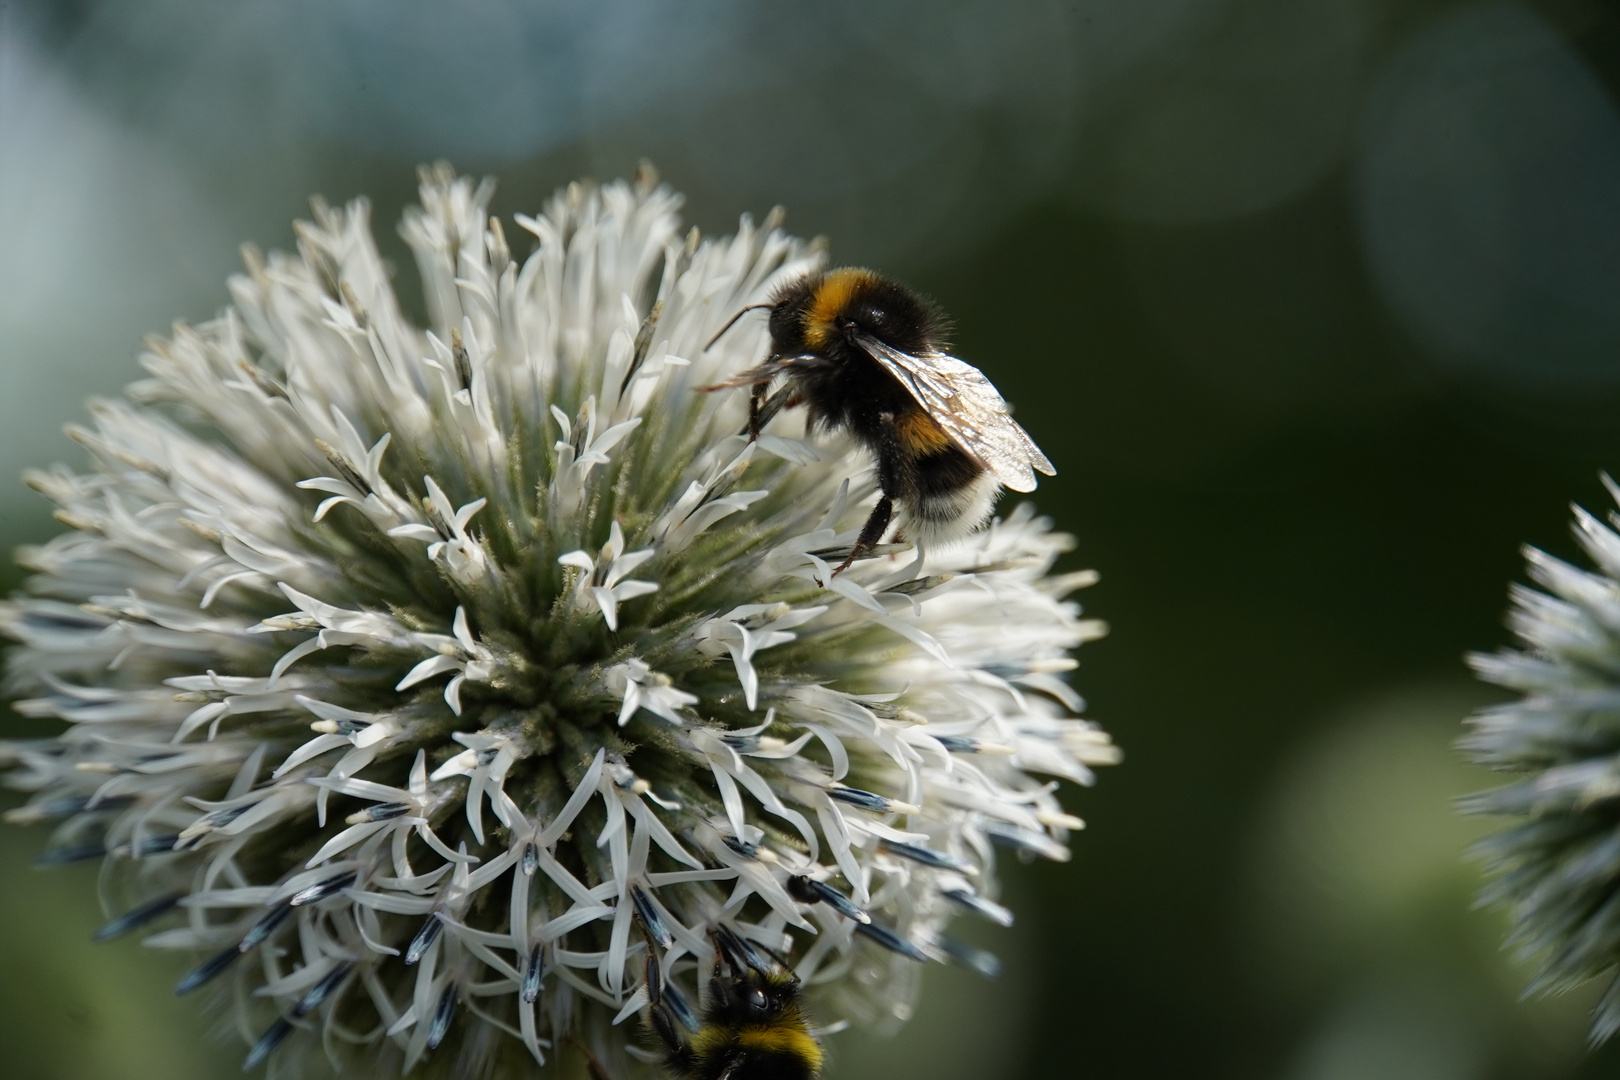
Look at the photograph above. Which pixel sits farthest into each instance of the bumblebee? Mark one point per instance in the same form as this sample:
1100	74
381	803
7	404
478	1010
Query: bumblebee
754	1027
865	354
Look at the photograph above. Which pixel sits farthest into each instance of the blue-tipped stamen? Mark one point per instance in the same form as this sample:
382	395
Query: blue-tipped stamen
71	853
739	953
207	970
219	818
811	891
985	963
51	809
868	800
424	938
650	918
531	859
920	585
273	1037
266	926
891	940
319	891
379	812
741	847
977	904
926	856
322	990
963	744
442	1015
345	727
152	845
885	710
135	917
1026	841
533	972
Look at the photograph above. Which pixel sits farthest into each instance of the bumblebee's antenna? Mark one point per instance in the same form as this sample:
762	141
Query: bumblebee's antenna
733	322
780	958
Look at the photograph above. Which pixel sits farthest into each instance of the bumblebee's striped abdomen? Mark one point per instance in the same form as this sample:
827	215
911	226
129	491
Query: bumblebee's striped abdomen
920	434
946	494
791	1040
778	1051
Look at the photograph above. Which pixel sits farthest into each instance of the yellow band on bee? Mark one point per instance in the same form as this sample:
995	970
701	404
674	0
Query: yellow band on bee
832	295
920	434
782	1039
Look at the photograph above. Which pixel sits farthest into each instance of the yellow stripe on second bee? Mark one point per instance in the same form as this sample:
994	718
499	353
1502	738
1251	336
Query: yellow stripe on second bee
834	293
782	1039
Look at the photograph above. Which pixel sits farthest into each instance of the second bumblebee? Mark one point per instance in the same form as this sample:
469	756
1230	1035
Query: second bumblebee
754	1027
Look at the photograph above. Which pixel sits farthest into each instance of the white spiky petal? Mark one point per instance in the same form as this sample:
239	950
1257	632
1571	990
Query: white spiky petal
420	666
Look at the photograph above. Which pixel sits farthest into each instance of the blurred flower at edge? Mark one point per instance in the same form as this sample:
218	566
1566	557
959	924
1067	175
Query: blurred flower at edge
1557	870
1357	916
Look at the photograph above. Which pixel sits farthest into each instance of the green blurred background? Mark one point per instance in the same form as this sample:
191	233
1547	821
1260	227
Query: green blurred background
1314	303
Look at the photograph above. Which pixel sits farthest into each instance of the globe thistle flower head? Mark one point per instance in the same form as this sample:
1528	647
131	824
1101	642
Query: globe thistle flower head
425	682
1557	871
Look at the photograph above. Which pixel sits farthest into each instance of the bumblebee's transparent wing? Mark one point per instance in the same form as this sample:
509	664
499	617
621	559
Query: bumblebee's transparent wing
966	405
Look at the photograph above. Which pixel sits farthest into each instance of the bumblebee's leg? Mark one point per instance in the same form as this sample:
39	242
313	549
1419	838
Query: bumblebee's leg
784	399
871	533
663	1025
756	402
659	1018
758	380
655	979
719	953
762	410
888	470
722	960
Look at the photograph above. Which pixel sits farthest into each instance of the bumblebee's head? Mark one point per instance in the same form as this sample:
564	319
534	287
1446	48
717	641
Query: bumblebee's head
761	996
820	307
755	990
790	306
